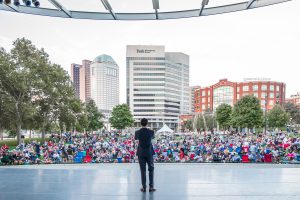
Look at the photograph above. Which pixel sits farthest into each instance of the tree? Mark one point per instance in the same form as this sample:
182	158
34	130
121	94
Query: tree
18	76
223	115
293	111
94	116
247	113
6	113
200	122
57	99
277	117
188	125
121	117
210	121
38	92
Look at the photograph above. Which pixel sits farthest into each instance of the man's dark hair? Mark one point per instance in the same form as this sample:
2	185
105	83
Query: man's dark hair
144	122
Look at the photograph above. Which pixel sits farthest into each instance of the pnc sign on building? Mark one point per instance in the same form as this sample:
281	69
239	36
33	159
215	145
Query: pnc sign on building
145	50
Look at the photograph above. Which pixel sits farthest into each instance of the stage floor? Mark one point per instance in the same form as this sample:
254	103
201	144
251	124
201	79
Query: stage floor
173	181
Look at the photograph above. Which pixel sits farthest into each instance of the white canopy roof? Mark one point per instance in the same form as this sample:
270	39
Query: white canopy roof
165	129
136	9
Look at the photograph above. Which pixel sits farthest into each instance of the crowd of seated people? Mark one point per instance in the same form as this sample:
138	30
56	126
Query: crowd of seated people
112	148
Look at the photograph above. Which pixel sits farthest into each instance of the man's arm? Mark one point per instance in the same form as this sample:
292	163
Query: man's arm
152	133
136	135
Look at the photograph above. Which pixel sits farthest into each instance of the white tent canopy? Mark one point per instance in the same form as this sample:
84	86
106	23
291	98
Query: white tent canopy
165	129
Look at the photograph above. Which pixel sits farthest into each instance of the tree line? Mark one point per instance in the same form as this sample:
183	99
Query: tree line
246	113
36	94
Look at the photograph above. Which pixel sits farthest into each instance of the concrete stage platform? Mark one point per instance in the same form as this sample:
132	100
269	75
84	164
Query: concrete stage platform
173	181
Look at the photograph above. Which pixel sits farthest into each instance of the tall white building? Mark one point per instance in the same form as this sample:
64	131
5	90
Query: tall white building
157	85
104	76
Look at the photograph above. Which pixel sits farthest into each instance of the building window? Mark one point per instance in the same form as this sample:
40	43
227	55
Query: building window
203	93
263	102
245	88
238	96
203	100
271	102
271	87
238	89
255	87
271	95
223	94
110	71
255	94
208	92
277	88
263	95
264	87
93	70
203	106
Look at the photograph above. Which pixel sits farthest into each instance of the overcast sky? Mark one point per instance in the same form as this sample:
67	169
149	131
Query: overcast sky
262	42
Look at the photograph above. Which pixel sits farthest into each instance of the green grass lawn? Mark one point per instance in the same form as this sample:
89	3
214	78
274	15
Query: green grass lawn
13	143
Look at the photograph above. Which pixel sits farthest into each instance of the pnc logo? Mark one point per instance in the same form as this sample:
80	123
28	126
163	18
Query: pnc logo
144	51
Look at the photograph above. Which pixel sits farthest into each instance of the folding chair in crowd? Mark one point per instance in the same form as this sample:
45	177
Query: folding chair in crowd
245	158
87	159
268	158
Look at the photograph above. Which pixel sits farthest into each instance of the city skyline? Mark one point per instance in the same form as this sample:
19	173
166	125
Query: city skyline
256	43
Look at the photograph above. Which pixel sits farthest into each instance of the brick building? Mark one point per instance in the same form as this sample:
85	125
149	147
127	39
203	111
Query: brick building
268	92
295	99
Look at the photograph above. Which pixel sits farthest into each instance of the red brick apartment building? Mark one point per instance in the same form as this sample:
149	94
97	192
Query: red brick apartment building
295	99
268	92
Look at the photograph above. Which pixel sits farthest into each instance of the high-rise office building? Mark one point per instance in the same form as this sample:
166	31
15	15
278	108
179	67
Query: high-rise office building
104	76
87	83
80	76
75	78
157	85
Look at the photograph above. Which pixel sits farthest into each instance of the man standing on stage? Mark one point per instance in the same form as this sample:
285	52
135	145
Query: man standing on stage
145	154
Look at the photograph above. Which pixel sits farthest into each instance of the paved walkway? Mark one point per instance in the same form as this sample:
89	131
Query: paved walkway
173	181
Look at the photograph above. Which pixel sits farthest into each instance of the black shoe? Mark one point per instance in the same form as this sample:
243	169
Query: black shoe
151	189
143	189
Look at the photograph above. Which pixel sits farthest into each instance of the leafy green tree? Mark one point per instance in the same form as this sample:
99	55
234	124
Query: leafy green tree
200	122
18	76
247	113
40	92
277	117
210	121
93	116
82	121
223	115
6	113
189	125
57	99
293	111
121	117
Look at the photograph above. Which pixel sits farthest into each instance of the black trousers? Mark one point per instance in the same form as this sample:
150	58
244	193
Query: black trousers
142	161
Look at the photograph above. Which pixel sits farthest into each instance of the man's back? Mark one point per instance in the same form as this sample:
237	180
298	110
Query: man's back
144	136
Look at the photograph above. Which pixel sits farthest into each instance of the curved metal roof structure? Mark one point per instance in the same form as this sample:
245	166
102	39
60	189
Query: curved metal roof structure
109	12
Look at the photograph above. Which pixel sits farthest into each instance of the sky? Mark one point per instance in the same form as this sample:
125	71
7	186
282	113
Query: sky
262	42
